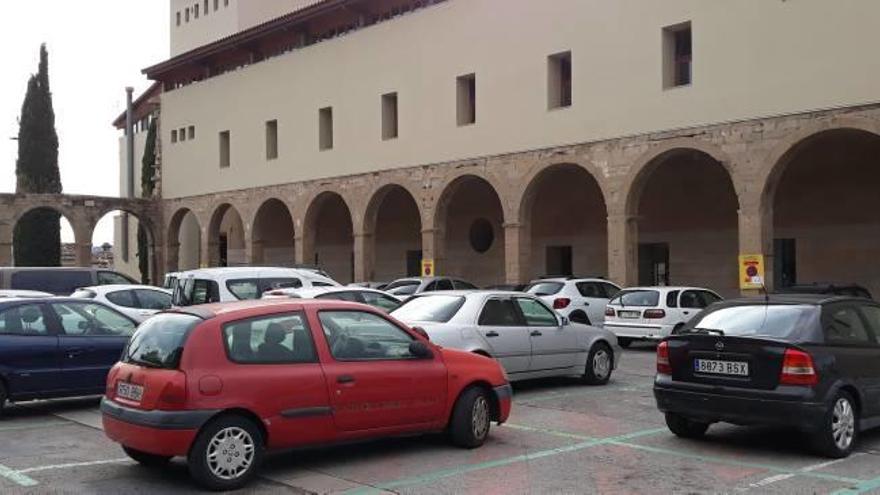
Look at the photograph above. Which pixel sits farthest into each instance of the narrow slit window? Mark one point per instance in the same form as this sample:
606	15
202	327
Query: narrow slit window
271	139
559	80
467	99
389	116
182	133
174	136
191	132
677	55
325	124
178	18
225	149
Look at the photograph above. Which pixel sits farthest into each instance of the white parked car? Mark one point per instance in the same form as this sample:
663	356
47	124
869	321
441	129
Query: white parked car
5	294
582	300
138	302
372	297
653	313
211	285
519	330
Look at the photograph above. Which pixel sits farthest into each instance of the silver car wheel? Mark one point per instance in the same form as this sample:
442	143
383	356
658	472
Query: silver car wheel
843	423
601	364
230	453
480	418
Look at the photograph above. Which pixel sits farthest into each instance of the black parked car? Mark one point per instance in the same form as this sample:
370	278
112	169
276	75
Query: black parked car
808	361
853	290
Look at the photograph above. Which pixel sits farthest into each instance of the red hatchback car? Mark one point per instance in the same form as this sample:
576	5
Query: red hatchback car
222	384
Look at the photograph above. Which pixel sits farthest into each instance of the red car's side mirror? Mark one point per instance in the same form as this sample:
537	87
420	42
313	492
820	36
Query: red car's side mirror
421	331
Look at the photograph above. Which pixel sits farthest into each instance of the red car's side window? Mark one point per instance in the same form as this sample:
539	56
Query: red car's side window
358	336
275	339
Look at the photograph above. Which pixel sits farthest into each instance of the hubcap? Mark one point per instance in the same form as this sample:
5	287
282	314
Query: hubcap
843	424
601	364
480	418
230	453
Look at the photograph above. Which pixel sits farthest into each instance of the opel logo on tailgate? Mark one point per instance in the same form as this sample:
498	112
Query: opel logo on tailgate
719	346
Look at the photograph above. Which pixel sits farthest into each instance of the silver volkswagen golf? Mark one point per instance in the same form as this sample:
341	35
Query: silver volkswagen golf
527	337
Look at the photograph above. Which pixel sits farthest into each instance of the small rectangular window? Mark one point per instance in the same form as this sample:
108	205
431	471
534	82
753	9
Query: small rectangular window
178	18
467	99
182	134
224	149
226	3
187	14
174	136
677	55
191	132
216	5
196	10
207	7
271	139
559	80
325	123
389	116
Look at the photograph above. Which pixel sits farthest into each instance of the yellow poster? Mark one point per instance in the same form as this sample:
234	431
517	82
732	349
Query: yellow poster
751	271
427	268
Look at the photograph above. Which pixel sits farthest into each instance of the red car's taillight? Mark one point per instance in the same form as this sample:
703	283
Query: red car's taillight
654	314
561	303
173	395
798	369
663	366
609	311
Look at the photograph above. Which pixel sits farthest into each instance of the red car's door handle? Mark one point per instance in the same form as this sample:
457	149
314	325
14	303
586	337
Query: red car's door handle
493	333
345	379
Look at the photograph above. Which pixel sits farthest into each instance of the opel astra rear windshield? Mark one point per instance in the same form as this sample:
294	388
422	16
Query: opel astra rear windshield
159	341
434	308
777	321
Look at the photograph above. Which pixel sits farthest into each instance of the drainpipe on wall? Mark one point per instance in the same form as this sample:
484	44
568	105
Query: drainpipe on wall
129	167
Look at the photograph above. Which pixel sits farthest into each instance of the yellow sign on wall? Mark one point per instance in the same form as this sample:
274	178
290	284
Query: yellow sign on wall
751	271
428	268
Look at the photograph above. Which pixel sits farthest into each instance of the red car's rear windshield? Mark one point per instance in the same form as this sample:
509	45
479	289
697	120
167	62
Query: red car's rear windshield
159	341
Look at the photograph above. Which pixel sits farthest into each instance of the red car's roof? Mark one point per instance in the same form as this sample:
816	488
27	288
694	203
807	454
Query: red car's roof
262	306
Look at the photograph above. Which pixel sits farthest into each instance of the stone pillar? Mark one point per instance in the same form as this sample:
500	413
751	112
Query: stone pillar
254	252
434	248
6	232
299	250
756	237
172	256
364	249
623	239
82	235
209	251
517	249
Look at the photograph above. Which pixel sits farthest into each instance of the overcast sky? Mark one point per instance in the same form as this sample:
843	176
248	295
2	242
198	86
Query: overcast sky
96	49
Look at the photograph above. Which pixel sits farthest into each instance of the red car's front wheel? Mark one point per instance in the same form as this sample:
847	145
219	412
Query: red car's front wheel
471	418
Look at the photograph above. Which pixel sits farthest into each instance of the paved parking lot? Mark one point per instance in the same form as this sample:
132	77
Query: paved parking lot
562	438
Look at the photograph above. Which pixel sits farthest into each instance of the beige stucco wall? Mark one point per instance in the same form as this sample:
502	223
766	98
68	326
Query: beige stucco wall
752	58
229	19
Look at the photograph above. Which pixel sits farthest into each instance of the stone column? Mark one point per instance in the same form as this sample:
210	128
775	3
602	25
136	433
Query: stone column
364	248
6	232
299	250
254	252
209	251
623	239
82	235
434	248
756	237
517	249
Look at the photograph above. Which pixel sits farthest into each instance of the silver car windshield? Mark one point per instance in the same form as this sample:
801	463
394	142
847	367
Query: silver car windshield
434	308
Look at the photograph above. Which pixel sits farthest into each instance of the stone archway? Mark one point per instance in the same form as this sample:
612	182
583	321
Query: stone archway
821	200
469	218
393	225
226	237
272	239
565	219
183	241
685	208
328	236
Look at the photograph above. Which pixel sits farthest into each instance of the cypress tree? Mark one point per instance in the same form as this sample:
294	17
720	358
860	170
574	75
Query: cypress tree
148	169
37	236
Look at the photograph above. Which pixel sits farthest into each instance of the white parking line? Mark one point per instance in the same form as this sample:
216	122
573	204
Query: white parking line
783	477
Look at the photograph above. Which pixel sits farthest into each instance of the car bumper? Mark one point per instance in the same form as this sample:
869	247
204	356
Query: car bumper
638	331
504	395
739	409
155	432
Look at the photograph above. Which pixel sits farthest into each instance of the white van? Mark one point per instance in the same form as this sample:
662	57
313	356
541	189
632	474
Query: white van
241	283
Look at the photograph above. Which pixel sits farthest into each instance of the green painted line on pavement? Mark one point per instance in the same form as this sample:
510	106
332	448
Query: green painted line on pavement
861	487
16	477
469	468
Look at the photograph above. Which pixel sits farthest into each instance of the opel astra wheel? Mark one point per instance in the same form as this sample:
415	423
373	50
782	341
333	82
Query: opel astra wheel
471	418
226	454
840	431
